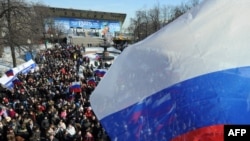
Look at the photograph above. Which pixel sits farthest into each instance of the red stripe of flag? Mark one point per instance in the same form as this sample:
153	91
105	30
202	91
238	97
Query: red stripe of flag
17	82
75	87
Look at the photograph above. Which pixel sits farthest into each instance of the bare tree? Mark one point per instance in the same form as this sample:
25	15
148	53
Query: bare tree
145	24
194	2
165	16
23	25
148	22
154	15
42	19
59	31
136	22
15	15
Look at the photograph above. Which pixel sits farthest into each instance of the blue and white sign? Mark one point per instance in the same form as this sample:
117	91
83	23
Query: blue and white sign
68	23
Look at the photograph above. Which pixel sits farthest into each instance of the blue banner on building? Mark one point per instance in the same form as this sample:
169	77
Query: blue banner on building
102	25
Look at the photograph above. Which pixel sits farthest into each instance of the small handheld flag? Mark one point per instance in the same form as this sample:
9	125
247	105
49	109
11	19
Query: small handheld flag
75	87
91	82
100	72
9	73
16	82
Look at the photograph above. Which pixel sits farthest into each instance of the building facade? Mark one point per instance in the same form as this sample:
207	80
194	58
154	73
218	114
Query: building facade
76	24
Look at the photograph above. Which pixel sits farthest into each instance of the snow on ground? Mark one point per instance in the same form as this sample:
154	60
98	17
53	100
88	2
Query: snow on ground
100	49
92	53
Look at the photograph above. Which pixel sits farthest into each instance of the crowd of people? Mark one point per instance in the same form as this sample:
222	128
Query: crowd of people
42	106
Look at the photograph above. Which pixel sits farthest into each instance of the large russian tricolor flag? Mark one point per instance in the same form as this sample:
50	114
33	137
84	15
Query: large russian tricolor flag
183	83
